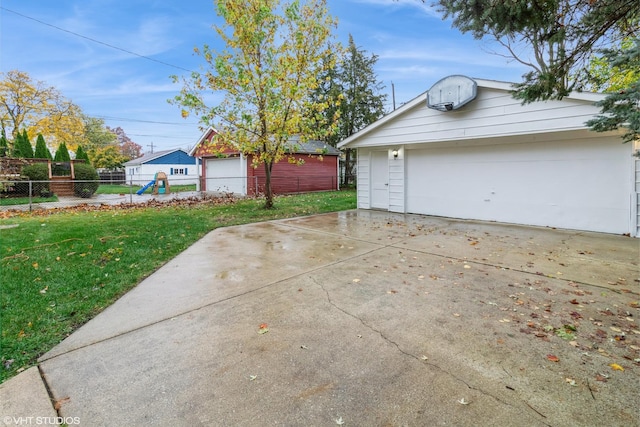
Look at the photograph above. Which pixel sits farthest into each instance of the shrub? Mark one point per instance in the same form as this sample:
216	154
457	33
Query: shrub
86	180
38	172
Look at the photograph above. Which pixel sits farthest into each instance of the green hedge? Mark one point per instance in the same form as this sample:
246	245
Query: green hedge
37	172
86	180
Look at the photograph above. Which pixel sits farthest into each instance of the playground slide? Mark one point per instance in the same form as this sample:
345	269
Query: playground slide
143	189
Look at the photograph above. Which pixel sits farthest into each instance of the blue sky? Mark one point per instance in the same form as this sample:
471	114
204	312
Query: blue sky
415	46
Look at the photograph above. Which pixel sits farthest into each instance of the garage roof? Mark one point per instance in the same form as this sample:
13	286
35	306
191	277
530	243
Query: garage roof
443	122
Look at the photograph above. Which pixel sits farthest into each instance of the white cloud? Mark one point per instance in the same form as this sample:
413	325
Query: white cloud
418	5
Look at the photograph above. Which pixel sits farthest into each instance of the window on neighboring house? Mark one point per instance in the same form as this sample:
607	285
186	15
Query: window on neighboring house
178	171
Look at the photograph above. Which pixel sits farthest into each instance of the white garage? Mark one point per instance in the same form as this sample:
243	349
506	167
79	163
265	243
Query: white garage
497	160
227	175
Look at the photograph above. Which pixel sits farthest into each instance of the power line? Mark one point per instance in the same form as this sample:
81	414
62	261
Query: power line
97	41
122	119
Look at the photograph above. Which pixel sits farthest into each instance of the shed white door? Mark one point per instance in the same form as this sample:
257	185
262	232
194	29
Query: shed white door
565	184
225	175
379	180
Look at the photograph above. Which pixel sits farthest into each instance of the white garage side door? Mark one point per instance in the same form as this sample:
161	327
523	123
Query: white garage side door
568	184
379	180
226	175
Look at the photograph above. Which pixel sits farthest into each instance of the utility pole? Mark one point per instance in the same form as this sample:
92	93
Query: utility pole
151	145
393	95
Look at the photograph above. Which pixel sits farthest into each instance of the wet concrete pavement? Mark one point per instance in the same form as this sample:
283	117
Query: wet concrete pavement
366	318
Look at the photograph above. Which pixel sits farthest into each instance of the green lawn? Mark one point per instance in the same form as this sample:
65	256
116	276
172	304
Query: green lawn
59	271
127	189
12	201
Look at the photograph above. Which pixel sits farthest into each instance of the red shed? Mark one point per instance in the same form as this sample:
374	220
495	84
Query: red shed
231	171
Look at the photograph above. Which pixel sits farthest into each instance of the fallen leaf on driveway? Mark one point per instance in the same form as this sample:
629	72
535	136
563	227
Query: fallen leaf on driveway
616	367
356	280
552	358
463	402
58	403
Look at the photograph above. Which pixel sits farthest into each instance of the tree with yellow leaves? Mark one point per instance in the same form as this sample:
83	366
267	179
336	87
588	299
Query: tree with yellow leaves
38	109
274	55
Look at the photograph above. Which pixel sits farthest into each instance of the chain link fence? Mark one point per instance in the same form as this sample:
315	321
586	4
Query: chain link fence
61	192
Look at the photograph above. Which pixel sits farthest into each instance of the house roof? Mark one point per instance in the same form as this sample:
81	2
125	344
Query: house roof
294	145
151	156
421	100
312	147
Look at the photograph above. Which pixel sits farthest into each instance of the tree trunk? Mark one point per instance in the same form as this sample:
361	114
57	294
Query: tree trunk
268	194
347	167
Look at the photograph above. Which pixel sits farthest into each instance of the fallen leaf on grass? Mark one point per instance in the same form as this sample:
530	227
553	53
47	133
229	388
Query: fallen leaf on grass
552	358
616	367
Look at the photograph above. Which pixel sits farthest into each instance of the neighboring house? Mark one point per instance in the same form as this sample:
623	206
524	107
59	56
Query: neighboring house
495	159
180	167
230	171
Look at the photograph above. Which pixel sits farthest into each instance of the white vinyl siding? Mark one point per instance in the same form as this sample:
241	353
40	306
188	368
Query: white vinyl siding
364	182
493	114
396	180
636	194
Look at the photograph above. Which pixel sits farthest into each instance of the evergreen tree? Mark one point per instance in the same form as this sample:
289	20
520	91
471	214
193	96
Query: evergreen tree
4	144
82	155
353	92
62	154
42	152
22	146
621	108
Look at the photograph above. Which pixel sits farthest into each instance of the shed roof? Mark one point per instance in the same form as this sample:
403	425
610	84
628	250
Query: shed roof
294	145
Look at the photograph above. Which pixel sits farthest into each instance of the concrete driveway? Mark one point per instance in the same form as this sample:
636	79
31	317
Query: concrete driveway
362	318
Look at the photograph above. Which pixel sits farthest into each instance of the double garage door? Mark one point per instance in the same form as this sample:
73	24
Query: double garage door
569	184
